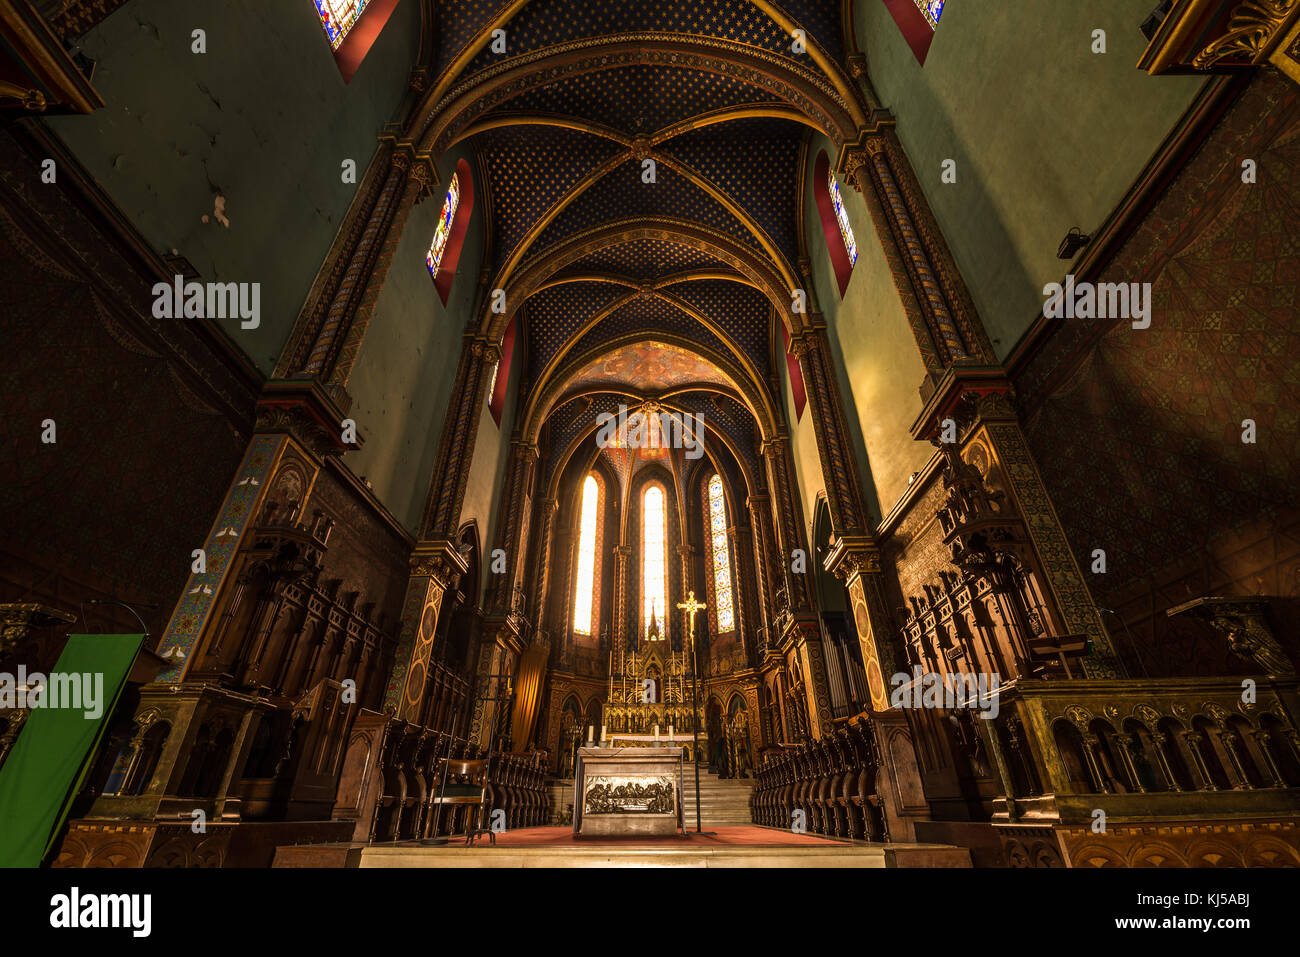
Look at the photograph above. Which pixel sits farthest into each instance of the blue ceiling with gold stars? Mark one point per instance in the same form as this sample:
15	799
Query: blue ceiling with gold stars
565	128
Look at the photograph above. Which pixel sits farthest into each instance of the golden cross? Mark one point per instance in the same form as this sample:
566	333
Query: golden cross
691	606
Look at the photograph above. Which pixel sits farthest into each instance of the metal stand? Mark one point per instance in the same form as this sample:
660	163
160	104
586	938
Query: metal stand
691	606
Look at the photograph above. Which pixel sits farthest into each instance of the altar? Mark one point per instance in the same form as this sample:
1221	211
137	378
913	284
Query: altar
628	792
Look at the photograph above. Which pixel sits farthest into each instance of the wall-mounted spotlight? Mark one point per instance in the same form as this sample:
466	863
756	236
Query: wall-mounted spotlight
1074	240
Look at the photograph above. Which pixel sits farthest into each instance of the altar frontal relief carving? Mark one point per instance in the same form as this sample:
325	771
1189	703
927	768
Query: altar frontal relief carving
623	795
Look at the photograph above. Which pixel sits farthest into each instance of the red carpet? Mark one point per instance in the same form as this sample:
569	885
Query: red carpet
745	834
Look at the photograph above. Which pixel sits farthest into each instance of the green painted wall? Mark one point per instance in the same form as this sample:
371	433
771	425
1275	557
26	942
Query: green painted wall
262	118
401	384
875	356
1046	134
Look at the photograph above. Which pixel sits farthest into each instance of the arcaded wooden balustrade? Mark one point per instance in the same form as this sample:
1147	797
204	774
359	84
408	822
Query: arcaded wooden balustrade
1168	748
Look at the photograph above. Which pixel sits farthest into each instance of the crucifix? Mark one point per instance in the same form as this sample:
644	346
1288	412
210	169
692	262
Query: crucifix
691	606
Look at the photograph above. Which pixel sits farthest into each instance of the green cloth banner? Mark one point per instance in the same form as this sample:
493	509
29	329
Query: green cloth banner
51	757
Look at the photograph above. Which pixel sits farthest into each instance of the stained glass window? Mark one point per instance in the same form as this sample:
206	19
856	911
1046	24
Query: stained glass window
440	235
932	10
654	560
338	17
584	583
724	611
842	218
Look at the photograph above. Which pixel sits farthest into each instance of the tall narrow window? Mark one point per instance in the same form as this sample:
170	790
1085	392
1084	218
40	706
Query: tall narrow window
584	599
654	561
443	231
840	244
841	217
338	17
724	611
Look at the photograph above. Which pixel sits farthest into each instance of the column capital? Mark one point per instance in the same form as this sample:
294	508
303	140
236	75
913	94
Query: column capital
439	559
303	409
853	556
966	393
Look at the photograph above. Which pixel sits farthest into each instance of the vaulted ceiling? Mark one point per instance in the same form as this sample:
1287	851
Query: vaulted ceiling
604	268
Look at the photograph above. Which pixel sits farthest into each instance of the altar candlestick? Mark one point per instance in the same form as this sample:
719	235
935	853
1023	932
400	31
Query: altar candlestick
602	734
591	731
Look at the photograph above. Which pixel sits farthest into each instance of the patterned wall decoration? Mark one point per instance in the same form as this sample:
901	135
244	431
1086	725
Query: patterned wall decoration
569	420
821	18
459	22
1155	470
555	315
81	516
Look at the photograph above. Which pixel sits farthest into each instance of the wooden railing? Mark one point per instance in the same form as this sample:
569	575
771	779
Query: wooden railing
826	787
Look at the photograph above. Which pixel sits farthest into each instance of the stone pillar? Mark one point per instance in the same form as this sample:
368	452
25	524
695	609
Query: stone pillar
336	323
459	431
789	525
545	522
760	517
834	446
943	316
622	593
518	481
743	572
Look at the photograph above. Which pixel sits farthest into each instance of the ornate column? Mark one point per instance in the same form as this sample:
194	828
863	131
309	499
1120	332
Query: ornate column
760	518
834	447
332	326
436	568
622	592
743	573
789	525
510	531
943	317
459	432
545	523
